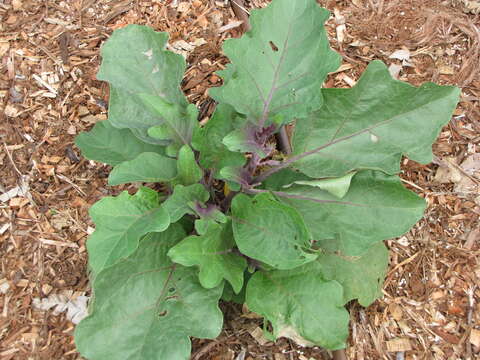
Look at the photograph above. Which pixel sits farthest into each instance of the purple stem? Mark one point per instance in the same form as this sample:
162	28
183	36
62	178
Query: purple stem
283	141
260	178
300	197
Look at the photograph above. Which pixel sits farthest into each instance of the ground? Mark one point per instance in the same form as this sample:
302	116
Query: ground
49	52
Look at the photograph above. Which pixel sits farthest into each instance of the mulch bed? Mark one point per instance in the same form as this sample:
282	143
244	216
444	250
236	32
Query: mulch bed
49	55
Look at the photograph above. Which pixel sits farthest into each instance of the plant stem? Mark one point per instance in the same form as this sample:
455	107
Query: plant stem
291	160
300	197
283	141
238	7
228	200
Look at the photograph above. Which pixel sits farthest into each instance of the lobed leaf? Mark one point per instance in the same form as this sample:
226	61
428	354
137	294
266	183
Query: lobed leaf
376	207
279	66
179	120
213	253
126	112
146	307
336	186
283	179
120	223
146	167
107	144
214	154
137	66
250	138
209	215
188	170
270	231
230	295
373	124
361	276
235	177
179	203
300	305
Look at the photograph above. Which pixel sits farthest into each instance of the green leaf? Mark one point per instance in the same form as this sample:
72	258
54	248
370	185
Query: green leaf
209	214
146	307
178	204
126	112
229	294
146	167
300	305
188	170
283	178
179	121
335	186
372	125
107	144
269	231
244	140
134	59
235	176
120	223
279	66
214	154
213	254
361	277
376	207
136	65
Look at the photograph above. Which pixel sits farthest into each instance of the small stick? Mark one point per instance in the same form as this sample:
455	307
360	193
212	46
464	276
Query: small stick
11	160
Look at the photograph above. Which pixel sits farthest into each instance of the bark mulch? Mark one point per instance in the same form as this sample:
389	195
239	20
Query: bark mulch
49	55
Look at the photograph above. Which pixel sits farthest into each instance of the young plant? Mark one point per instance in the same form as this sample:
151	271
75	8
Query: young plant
294	236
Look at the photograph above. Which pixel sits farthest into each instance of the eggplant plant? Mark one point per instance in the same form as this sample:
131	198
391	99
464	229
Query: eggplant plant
295	236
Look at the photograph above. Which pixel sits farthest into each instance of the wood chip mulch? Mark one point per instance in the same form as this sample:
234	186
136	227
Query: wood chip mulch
49	55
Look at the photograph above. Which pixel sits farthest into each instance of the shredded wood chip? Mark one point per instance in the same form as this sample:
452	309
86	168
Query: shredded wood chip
399	344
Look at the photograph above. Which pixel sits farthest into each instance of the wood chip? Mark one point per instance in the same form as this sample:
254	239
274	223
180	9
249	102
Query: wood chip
446	70
11	111
231	25
257	334
63	42
472	238
4	46
396	311
58	243
475	337
44	84
399	344
183	7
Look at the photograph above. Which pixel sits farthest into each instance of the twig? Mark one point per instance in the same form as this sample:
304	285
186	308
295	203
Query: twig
75	186
204	350
413	185
446	163
11	160
471	304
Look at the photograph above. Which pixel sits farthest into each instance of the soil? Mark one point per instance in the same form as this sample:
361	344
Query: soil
49	55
